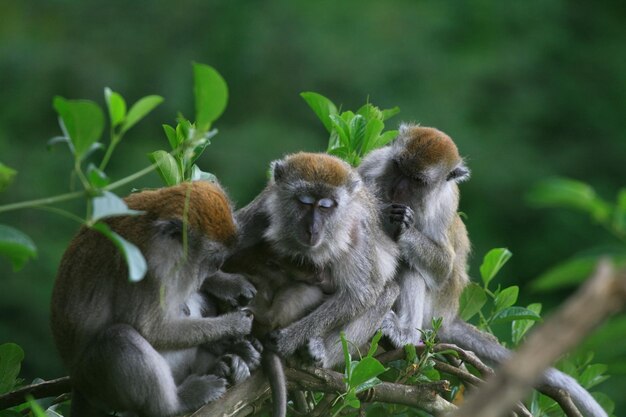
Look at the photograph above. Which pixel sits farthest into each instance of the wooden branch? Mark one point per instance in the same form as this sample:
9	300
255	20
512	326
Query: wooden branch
602	295
52	388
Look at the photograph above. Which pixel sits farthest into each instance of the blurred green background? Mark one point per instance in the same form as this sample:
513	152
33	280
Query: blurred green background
527	89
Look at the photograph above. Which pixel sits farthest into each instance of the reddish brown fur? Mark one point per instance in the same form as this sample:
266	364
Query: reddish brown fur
316	167
426	146
209	209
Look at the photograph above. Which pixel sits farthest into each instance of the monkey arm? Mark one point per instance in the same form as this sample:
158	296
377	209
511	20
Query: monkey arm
421	252
182	333
229	287
334	312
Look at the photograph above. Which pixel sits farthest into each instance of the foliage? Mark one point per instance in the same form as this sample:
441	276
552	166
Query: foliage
579	196
82	124
352	134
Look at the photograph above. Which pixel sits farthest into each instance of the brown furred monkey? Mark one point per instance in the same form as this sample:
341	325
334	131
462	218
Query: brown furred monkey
135	346
319	227
416	178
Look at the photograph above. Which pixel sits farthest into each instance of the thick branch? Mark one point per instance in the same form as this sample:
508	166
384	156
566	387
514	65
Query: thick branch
44	389
601	296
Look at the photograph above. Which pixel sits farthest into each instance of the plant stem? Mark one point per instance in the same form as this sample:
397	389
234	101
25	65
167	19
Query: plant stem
130	178
42	201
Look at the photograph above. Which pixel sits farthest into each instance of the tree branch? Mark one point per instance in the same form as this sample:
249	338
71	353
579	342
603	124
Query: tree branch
601	296
52	388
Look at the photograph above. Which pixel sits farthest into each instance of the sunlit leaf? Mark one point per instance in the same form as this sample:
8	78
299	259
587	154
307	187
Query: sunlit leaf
172	137
374	343
83	121
369	384
514	313
385	138
199	175
389	113
472	300
322	107
6	176
140	109
343	130
16	246
372	133
211	95
167	167
116	105
506	298
11	357
367	368
96	177
135	261
492	262
565	192
108	205
593	375
519	328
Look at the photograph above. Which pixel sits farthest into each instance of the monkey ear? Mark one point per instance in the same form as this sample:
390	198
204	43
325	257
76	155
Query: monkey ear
277	169
354	182
459	174
172	228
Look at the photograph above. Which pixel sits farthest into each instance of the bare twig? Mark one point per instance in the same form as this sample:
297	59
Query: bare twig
52	388
601	296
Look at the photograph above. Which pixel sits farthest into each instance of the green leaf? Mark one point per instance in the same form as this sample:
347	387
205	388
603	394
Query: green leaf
96	177
567	274
116	105
108	205
6	176
35	407
370	112
593	375
605	402
322	107
211	94
565	192
367	368
11	357
385	138
389	113
519	328
372	133
346	355
411	353
506	298
514	313
472	300
374	343
352	401
199	175
140	109
172	137
137	266
619	217
343	130
370	383
357	131
493	261
167	167
82	120
16	246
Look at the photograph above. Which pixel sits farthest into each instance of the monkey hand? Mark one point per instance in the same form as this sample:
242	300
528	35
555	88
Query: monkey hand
239	321
398	335
232	368
232	288
399	218
281	342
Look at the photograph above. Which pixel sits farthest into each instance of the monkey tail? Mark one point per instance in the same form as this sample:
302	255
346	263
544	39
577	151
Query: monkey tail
273	368
491	351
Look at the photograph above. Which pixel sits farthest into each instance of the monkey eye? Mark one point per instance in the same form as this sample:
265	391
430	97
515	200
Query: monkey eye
326	203
306	199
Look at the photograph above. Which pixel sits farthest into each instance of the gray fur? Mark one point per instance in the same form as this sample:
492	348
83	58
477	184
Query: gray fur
433	250
137	347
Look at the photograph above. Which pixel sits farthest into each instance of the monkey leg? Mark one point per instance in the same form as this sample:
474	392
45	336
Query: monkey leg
120	370
408	314
328	352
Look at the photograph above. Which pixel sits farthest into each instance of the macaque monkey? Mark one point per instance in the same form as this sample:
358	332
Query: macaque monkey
416	179
312	244
140	347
